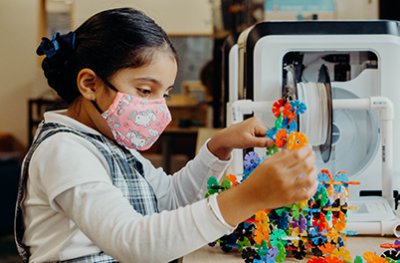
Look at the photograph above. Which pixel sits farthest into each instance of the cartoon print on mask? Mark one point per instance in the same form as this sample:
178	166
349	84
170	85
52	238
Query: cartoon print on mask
136	138
115	122
136	123
132	116
118	134
123	103
163	108
145	118
153	132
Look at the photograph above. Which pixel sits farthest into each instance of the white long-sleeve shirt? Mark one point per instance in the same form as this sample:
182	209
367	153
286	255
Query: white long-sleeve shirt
72	209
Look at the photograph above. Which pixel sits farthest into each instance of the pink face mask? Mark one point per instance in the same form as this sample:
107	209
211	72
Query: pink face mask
136	123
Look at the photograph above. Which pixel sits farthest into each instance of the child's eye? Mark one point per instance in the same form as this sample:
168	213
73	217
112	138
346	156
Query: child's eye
166	95
143	92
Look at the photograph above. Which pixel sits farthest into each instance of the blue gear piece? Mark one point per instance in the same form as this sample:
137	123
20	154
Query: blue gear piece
298	106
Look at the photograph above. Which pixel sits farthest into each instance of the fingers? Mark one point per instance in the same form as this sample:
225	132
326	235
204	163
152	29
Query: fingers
269	142
307	185
300	178
304	162
253	131
287	158
259	128
261	142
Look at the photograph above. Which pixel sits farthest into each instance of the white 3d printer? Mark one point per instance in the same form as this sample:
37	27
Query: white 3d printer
347	73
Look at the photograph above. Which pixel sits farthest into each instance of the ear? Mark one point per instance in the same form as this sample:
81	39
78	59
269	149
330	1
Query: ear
88	83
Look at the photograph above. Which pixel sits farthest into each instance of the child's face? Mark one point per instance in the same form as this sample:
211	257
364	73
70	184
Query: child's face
152	81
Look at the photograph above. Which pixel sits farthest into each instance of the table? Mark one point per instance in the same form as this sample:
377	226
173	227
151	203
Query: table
357	246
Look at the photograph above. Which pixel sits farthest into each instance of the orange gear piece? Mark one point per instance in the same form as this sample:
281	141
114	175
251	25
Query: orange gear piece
260	235
261	216
342	253
329	189
332	259
290	115
232	179
296	140
333	235
261	221
371	257
282	106
280	138
340	223
327	248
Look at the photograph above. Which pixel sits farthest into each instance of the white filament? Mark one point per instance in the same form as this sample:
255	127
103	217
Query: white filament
314	122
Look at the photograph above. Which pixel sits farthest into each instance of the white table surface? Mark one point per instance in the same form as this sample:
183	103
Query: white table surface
357	246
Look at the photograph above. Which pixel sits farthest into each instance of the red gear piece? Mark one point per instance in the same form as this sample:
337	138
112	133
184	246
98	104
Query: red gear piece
284	107
327	172
317	260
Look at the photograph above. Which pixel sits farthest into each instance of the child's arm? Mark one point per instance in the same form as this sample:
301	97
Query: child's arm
101	212
189	184
247	134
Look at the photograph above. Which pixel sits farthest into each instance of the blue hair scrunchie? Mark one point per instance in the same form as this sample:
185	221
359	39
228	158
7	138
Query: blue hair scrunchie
58	42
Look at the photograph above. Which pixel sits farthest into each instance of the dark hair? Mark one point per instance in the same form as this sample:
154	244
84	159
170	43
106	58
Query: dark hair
107	42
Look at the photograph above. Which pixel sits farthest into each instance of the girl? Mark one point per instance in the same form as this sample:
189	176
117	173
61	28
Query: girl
86	193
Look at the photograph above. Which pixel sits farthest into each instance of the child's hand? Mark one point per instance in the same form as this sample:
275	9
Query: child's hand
247	134
284	178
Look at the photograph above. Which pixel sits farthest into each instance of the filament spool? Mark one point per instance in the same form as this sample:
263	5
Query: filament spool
317	121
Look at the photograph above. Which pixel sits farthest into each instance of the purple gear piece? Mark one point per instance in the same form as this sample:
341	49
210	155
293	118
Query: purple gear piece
397	243
272	253
251	160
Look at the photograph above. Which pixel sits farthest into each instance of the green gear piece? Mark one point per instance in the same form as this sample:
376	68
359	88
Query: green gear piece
280	211
282	253
212	181
390	260
278	122
296	211
226	184
244	243
358	259
272	150
328	216
324	196
212	185
262	249
276	236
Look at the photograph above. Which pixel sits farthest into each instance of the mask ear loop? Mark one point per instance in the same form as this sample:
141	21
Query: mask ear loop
111	86
94	103
108	84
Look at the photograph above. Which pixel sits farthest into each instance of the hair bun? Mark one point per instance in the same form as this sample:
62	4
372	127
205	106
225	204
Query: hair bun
58	65
57	44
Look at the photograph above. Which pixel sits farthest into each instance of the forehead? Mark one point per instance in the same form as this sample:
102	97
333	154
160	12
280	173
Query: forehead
162	66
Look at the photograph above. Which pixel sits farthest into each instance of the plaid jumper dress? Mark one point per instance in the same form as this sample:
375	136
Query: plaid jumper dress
126	172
